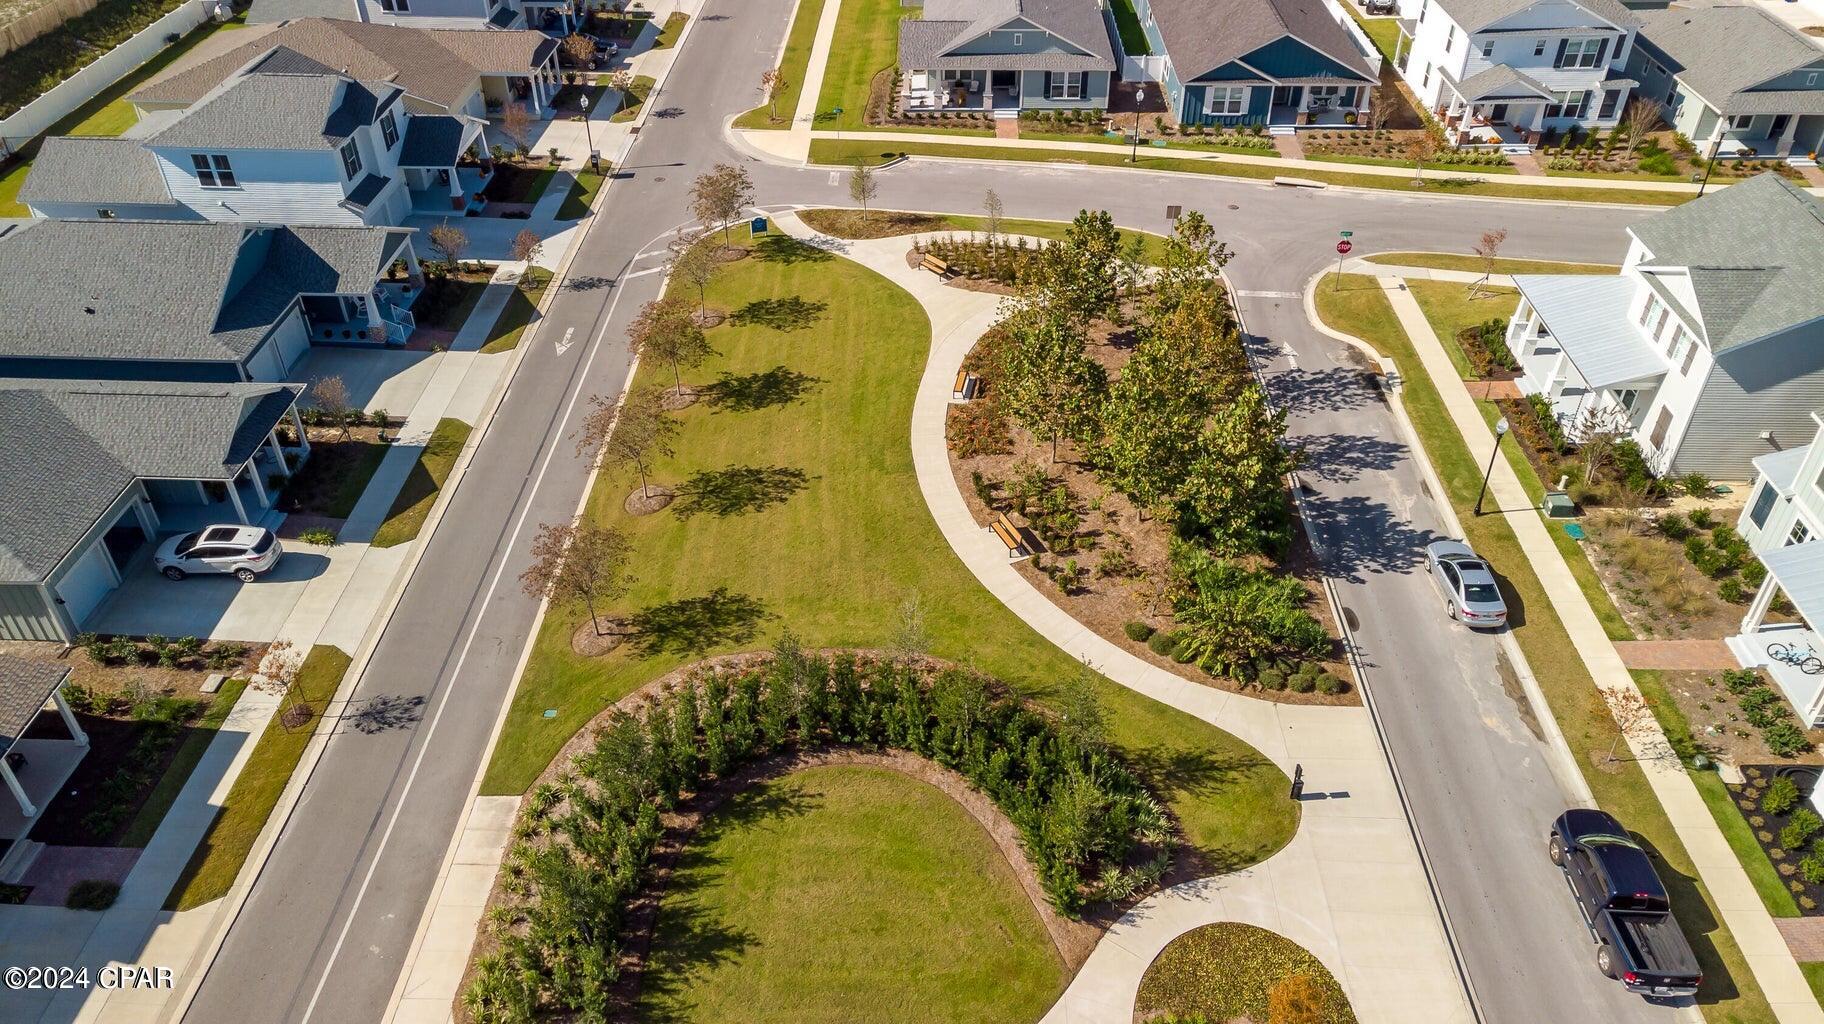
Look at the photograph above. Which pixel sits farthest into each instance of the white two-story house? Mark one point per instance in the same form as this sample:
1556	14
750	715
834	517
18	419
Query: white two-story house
286	141
1784	515
1503	72
1708	346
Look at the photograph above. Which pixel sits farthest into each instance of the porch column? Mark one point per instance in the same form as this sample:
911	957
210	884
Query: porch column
234	498
538	110
297	424
272	438
413	271
69	718
373	306
1757	609
259	484
12	782
458	201
1399	49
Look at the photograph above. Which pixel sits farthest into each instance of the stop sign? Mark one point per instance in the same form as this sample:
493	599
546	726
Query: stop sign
1343	247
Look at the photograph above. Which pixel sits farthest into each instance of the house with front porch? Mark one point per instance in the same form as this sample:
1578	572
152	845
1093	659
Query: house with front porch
1504	72
196	301
1734	79
1006	56
1782	521
1707	348
34	766
287	141
559	16
1281	63
112	465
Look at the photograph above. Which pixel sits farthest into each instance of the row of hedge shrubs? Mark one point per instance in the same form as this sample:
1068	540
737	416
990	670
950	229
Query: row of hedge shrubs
1767	711
583	850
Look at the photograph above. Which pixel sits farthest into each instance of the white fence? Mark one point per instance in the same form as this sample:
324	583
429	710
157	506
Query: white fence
1143	69
35	117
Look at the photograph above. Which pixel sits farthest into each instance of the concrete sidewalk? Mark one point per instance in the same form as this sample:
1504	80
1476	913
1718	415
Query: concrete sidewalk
1349	886
1742	910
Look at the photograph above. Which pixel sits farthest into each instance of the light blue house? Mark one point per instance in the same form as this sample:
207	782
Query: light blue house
1271	62
1006	56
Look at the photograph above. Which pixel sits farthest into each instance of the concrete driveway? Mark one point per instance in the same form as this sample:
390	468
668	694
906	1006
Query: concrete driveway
390	379
214	607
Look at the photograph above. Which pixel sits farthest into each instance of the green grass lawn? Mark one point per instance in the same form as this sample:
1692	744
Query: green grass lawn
671	30
1473	264
1449	309
1384	33
218	858
866	43
331	481
414	500
452	315
1127	22
794	62
848	223
1730	993
197	737
11	181
1227	971
800	509
517	315
1123	141
582	193
848	152
634	98
846	893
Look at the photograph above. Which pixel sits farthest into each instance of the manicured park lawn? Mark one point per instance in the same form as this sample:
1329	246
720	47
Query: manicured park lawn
1474	264
866	43
847	894
799	508
1227	971
1730	993
218	858
414	500
792	63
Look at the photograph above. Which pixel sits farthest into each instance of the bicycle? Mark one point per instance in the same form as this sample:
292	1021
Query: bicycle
1799	656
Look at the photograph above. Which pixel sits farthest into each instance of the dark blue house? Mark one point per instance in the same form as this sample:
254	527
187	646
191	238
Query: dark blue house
1266	62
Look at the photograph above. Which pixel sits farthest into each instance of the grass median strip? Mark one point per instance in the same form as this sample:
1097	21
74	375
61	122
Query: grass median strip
865	44
521	309
1730	993
848	152
413	502
582	193
793	63
224	848
634	98
1475	264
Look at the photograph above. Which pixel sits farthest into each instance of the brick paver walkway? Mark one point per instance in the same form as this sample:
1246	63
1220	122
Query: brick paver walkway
1006	127
1696	655
1492	390
1814	176
1527	163
1289	147
1804	936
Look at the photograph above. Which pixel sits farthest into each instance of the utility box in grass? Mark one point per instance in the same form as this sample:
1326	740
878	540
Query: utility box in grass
1558	505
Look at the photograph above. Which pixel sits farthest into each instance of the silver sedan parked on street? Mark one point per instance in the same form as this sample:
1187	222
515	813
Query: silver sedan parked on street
1470	594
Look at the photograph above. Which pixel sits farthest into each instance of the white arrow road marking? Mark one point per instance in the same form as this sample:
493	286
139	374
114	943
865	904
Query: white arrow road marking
833	178
564	345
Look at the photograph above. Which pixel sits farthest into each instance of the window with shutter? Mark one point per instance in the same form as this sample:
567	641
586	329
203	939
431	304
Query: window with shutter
1763	504
1660	427
1558	61
1690	357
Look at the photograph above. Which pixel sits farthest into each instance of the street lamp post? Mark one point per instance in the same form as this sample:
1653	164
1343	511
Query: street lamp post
1500	432
1715	145
588	136
1133	152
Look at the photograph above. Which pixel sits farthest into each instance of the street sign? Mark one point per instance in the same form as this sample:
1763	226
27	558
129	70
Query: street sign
1172	212
758	226
1346	234
1343	247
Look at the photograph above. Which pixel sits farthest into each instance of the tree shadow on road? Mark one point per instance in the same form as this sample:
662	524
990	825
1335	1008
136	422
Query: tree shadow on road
737	490
790	313
1344	457
693	625
750	391
1301	390
384	713
1360	536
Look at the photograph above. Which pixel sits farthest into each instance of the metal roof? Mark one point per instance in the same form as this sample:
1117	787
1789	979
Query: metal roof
1799	570
1781	468
25	686
1588	317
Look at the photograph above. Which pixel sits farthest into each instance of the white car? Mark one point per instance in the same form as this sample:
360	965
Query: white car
245	551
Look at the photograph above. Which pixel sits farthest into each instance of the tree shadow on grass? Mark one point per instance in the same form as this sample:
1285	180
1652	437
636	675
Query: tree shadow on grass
693	625
780	249
737	490
790	313
1174	773
751	391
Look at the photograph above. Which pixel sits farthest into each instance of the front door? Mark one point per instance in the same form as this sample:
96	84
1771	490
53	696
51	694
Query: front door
1497	114
1007	82
1286	95
1778	129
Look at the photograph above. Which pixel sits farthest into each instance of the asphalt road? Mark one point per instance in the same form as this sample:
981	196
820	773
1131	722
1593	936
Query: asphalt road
332	913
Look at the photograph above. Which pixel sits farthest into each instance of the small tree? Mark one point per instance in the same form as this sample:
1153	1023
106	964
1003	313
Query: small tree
1084	720
450	243
991	205
1644	116
527	249
1049	384
665	330
515	122
718	195
862	187
1630	711
694	262
587	563
277	674
634	433
1379	103
1488	249
1600	430
330	396
580	49
1420	148
911	640
773	82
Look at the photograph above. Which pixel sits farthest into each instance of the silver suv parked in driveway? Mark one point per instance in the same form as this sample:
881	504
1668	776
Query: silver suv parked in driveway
245	551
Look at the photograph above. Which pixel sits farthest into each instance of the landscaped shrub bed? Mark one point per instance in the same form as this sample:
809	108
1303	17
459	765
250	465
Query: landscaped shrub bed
583	850
33	69
1232	971
1390	147
1486	346
1775	801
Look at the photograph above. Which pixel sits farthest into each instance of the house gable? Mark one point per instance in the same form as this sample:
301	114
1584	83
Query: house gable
1291	57
1233	71
1000	39
1559	15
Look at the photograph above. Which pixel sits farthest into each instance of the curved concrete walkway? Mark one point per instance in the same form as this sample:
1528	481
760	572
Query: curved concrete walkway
1349	887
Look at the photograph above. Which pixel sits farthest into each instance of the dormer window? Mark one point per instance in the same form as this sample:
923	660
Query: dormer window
1488	48
351	159
389	130
212	170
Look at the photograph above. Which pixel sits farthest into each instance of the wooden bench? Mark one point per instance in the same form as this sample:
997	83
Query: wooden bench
1010	535
934	265
968	385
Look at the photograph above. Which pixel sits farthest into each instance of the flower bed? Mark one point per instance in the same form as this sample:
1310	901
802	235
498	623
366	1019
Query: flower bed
1390	146
583	849
1772	799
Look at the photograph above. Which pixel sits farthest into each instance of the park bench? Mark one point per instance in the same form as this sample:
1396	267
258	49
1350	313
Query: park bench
968	385
934	265
1010	535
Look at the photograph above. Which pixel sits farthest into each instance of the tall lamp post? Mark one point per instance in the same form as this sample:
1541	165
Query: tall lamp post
1133	152
595	162
1500	432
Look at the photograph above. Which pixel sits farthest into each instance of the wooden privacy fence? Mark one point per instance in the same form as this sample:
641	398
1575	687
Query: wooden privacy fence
29	26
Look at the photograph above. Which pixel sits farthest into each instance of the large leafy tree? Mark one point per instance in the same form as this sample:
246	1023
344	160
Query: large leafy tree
1082	274
1192	262
1049	384
1235	493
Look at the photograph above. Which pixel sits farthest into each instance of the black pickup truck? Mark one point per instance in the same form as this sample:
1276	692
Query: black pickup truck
1624	905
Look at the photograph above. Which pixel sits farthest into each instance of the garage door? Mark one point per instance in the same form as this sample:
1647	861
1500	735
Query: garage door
87	583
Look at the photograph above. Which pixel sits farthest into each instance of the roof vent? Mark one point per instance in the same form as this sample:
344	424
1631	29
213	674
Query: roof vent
89	310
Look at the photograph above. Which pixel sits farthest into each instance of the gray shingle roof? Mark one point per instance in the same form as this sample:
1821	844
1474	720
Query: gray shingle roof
25	686
950	23
1722	49
1755	253
1203	35
267	12
436	65
158	290
363	194
1502	82
432	140
75	169
1476	15
80	444
268	111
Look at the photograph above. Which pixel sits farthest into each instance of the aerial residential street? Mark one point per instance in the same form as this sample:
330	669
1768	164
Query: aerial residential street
332	913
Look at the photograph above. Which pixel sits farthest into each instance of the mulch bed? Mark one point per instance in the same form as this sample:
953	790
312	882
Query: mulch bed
676	399
589	642
1718	725
644	503
1767	831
